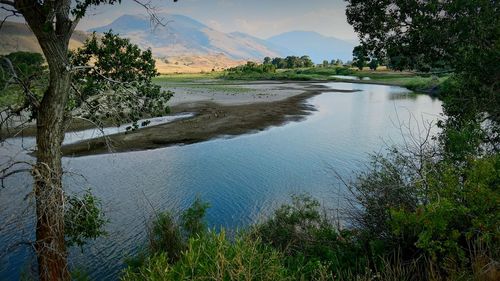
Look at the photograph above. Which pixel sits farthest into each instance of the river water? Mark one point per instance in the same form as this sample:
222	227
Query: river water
244	178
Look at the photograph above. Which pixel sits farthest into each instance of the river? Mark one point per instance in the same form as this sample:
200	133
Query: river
244	178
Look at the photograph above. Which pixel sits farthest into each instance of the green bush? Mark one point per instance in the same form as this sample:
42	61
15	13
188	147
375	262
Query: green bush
214	257
83	219
165	237
464	211
431	210
192	219
310	242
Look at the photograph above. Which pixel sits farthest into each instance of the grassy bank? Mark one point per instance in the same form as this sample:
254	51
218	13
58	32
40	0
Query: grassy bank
414	82
419	83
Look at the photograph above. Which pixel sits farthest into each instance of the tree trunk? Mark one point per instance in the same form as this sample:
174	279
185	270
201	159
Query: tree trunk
50	247
50	22
49	194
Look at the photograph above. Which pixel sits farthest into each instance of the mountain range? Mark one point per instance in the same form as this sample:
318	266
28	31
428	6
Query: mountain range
186	45
183	35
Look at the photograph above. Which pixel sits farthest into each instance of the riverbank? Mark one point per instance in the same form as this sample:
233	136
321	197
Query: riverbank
217	113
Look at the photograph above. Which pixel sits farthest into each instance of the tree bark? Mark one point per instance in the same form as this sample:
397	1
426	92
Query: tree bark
50	116
49	194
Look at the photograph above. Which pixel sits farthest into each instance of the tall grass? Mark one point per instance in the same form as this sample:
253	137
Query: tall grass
214	257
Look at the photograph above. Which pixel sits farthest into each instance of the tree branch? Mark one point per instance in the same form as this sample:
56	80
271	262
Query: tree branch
151	10
13	13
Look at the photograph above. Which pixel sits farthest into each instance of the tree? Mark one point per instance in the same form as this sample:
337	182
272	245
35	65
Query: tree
359	55
279	63
325	63
53	23
267	60
462	36
373	64
306	61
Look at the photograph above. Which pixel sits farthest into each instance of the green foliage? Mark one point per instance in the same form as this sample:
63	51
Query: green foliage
373	64
299	74
252	68
463	210
165	237
291	62
23	79
83	219
214	257
360	57
419	205
80	275
465	132
390	182
114	81
309	241
462	36
192	218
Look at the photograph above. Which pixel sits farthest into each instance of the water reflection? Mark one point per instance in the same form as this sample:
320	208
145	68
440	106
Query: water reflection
244	178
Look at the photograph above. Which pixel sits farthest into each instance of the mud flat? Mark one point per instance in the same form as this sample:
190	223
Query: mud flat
217	113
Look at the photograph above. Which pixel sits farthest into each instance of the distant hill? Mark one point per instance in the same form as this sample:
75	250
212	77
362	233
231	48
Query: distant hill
18	37
187	45
195	63
185	36
249	40
317	46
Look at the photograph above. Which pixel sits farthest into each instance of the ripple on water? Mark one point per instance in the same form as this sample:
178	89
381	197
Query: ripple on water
244	178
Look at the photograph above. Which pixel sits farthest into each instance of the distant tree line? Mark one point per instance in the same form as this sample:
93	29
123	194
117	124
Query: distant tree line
292	62
253	67
289	62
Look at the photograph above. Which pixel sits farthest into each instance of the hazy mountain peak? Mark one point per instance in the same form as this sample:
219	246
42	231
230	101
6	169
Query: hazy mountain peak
319	47
183	35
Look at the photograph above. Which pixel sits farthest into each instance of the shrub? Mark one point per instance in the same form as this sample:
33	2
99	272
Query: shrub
432	210
310	242
214	257
165	237
463	212
83	219
192	218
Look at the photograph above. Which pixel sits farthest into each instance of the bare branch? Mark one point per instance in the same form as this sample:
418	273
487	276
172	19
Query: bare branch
151	10
13	13
9	171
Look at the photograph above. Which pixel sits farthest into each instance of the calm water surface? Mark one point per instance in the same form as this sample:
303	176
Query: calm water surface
244	178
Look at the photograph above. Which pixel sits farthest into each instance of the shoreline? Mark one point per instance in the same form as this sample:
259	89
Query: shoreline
212	120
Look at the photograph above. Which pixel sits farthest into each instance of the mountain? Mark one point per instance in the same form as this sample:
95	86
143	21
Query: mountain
185	36
252	40
317	46
16	36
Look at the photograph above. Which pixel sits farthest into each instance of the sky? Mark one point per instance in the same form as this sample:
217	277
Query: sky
260	18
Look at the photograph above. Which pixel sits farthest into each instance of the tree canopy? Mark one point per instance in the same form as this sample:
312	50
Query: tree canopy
114	82
462	36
